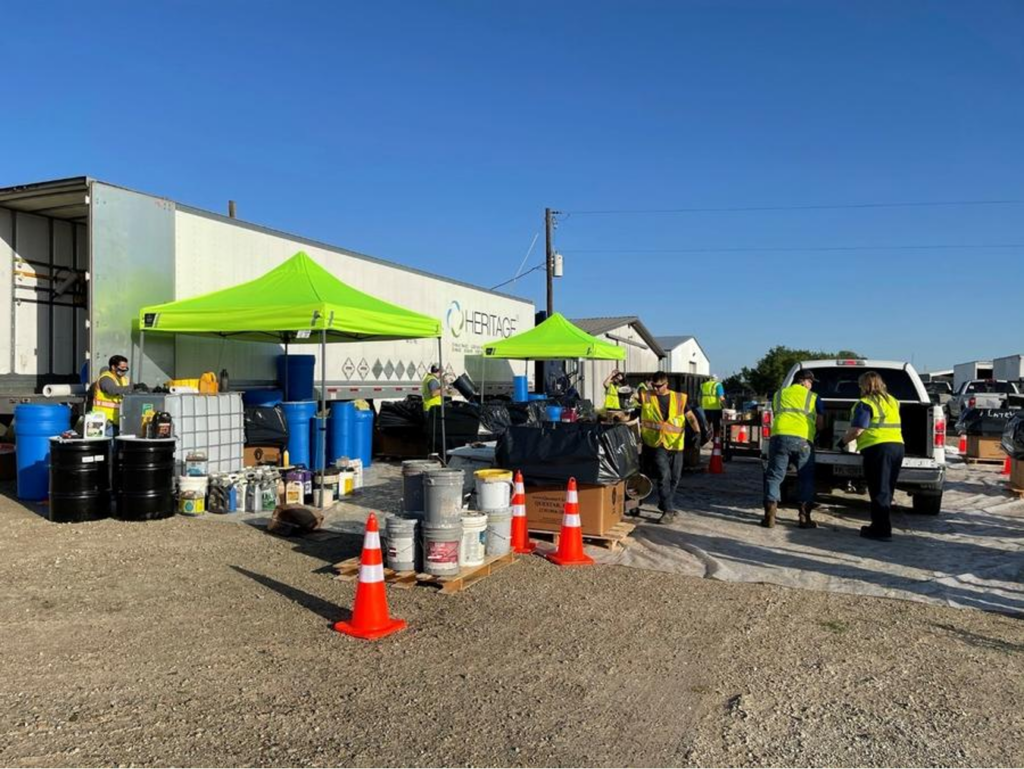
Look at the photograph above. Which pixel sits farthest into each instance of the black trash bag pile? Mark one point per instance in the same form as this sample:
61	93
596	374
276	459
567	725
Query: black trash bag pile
558	451
495	418
1013	436
520	414
461	425
265	426
987	422
401	415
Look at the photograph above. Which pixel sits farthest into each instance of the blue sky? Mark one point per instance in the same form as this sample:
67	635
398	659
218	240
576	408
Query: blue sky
435	133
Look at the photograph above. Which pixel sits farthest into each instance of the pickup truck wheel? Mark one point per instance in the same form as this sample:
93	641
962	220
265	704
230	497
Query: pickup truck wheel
927	504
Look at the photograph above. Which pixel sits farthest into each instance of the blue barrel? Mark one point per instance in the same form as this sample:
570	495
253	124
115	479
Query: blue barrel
34	425
520	389
362	437
299	415
538	397
554	413
341	430
295	375
262	397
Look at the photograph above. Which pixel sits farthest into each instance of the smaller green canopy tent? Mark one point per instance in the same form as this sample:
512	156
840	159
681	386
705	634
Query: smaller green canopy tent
554	339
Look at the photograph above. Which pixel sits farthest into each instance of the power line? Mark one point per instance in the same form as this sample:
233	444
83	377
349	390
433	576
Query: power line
738	249
540	266
821	207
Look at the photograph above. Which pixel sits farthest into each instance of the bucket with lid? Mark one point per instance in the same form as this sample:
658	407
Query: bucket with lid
441	549
401	543
442	496
493	489
473	545
412	482
191	503
499	531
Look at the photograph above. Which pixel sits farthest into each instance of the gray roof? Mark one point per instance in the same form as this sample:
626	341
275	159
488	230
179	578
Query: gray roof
672	342
597	326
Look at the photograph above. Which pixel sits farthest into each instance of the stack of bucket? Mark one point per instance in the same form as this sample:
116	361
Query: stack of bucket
192	486
403	532
494	499
442	521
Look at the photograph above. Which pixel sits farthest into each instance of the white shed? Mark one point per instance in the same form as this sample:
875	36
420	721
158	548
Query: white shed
643	353
684	355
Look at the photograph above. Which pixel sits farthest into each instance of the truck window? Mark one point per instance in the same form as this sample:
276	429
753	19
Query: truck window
841	382
991	387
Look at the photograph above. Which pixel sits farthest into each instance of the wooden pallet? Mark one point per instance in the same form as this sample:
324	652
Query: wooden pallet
348	571
1019	493
984	460
611	539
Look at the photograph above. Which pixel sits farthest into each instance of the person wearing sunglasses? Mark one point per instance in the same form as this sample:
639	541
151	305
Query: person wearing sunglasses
109	390
664	415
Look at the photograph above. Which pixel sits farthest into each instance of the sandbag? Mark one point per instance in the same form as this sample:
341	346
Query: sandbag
265	426
558	451
294	520
1013	436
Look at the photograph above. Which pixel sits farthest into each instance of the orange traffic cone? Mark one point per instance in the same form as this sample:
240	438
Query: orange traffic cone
370	618
715	466
570	539
1006	466
962	448
520	535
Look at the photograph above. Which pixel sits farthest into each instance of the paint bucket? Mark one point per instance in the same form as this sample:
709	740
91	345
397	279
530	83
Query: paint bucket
473	545
329	494
499	531
194	483
554	413
442	496
191	503
493	489
401	543
441	549
412	482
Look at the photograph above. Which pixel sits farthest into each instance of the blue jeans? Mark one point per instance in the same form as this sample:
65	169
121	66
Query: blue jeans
784	450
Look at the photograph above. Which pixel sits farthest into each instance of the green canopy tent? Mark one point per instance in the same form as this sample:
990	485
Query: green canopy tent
554	339
298	302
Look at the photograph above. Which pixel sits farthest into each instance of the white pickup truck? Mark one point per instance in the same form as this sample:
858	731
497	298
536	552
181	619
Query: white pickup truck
924	430
993	394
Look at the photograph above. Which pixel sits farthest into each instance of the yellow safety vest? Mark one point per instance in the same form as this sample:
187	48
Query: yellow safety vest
655	429
429	401
794	412
709	400
108	405
611	397
885	423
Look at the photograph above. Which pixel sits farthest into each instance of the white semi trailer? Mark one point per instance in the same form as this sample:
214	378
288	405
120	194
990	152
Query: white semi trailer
79	257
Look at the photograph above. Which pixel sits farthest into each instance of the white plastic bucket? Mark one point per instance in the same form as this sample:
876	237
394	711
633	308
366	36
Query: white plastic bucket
493	489
401	543
499	532
193	483
473	545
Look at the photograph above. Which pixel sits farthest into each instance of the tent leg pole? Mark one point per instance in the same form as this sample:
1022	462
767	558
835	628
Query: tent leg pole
286	377
321	422
142	355
444	437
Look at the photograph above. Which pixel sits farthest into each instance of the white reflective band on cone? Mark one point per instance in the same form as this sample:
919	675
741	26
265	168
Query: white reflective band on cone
520	489
372	541
571	497
374	573
571	521
518	511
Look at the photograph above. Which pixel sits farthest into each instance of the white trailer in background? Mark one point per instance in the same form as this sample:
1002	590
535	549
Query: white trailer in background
79	257
1009	368
967	372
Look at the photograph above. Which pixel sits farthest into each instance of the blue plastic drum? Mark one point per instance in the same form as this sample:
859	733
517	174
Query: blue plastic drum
299	416
341	430
295	376
34	425
362	444
262	397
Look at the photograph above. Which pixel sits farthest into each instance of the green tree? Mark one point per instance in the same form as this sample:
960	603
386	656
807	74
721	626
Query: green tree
764	378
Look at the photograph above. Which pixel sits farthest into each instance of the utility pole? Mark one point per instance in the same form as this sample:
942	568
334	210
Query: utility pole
549	229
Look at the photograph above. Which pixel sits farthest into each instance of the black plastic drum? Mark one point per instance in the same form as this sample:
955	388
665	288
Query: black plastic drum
144	478
79	480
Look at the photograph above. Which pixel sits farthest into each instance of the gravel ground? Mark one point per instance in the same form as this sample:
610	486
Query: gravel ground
185	642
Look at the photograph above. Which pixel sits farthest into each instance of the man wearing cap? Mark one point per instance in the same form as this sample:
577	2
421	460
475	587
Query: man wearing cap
797	415
431	390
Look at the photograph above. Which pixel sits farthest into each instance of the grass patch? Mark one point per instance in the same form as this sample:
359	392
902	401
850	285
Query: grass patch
834	625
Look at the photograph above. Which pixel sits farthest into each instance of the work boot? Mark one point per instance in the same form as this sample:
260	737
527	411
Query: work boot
805	521
770	508
668	517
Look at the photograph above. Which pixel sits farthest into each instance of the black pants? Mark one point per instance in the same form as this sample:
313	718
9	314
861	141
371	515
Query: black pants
882	464
669	465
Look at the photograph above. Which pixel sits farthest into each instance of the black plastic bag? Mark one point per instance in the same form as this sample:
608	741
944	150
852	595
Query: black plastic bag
265	426
1013	436
520	414
987	422
461	425
494	418
401	415
705	428
557	451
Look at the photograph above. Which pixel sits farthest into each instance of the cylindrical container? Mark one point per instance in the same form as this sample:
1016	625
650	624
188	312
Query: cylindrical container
493	489
554	413
262	397
299	415
569	415
191	503
362	442
442	497
330	486
34	425
441	549
412	482
473	545
144	478
79	480
466	387
520	389
499	531
217	494
401	543
295	376
341	428
193	483
195	463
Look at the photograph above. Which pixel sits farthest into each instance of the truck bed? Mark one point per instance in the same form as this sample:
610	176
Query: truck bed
915	417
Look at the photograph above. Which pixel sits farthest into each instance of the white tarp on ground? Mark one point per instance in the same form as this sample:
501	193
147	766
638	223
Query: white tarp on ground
972	555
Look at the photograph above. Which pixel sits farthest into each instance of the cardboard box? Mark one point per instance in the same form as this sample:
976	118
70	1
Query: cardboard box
1017	474
601	507
262	455
982	447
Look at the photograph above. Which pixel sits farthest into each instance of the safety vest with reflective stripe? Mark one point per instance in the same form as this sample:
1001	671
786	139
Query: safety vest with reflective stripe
429	401
885	424
611	397
709	400
657	430
794	412
108	405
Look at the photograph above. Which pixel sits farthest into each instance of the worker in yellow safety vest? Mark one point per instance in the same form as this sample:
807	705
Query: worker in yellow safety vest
108	391
432	389
612	383
796	417
664	415
875	425
712	398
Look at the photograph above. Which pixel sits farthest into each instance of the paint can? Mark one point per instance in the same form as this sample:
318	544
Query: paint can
473	545
441	549
401	543
493	489
499	531
412	482
442	497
